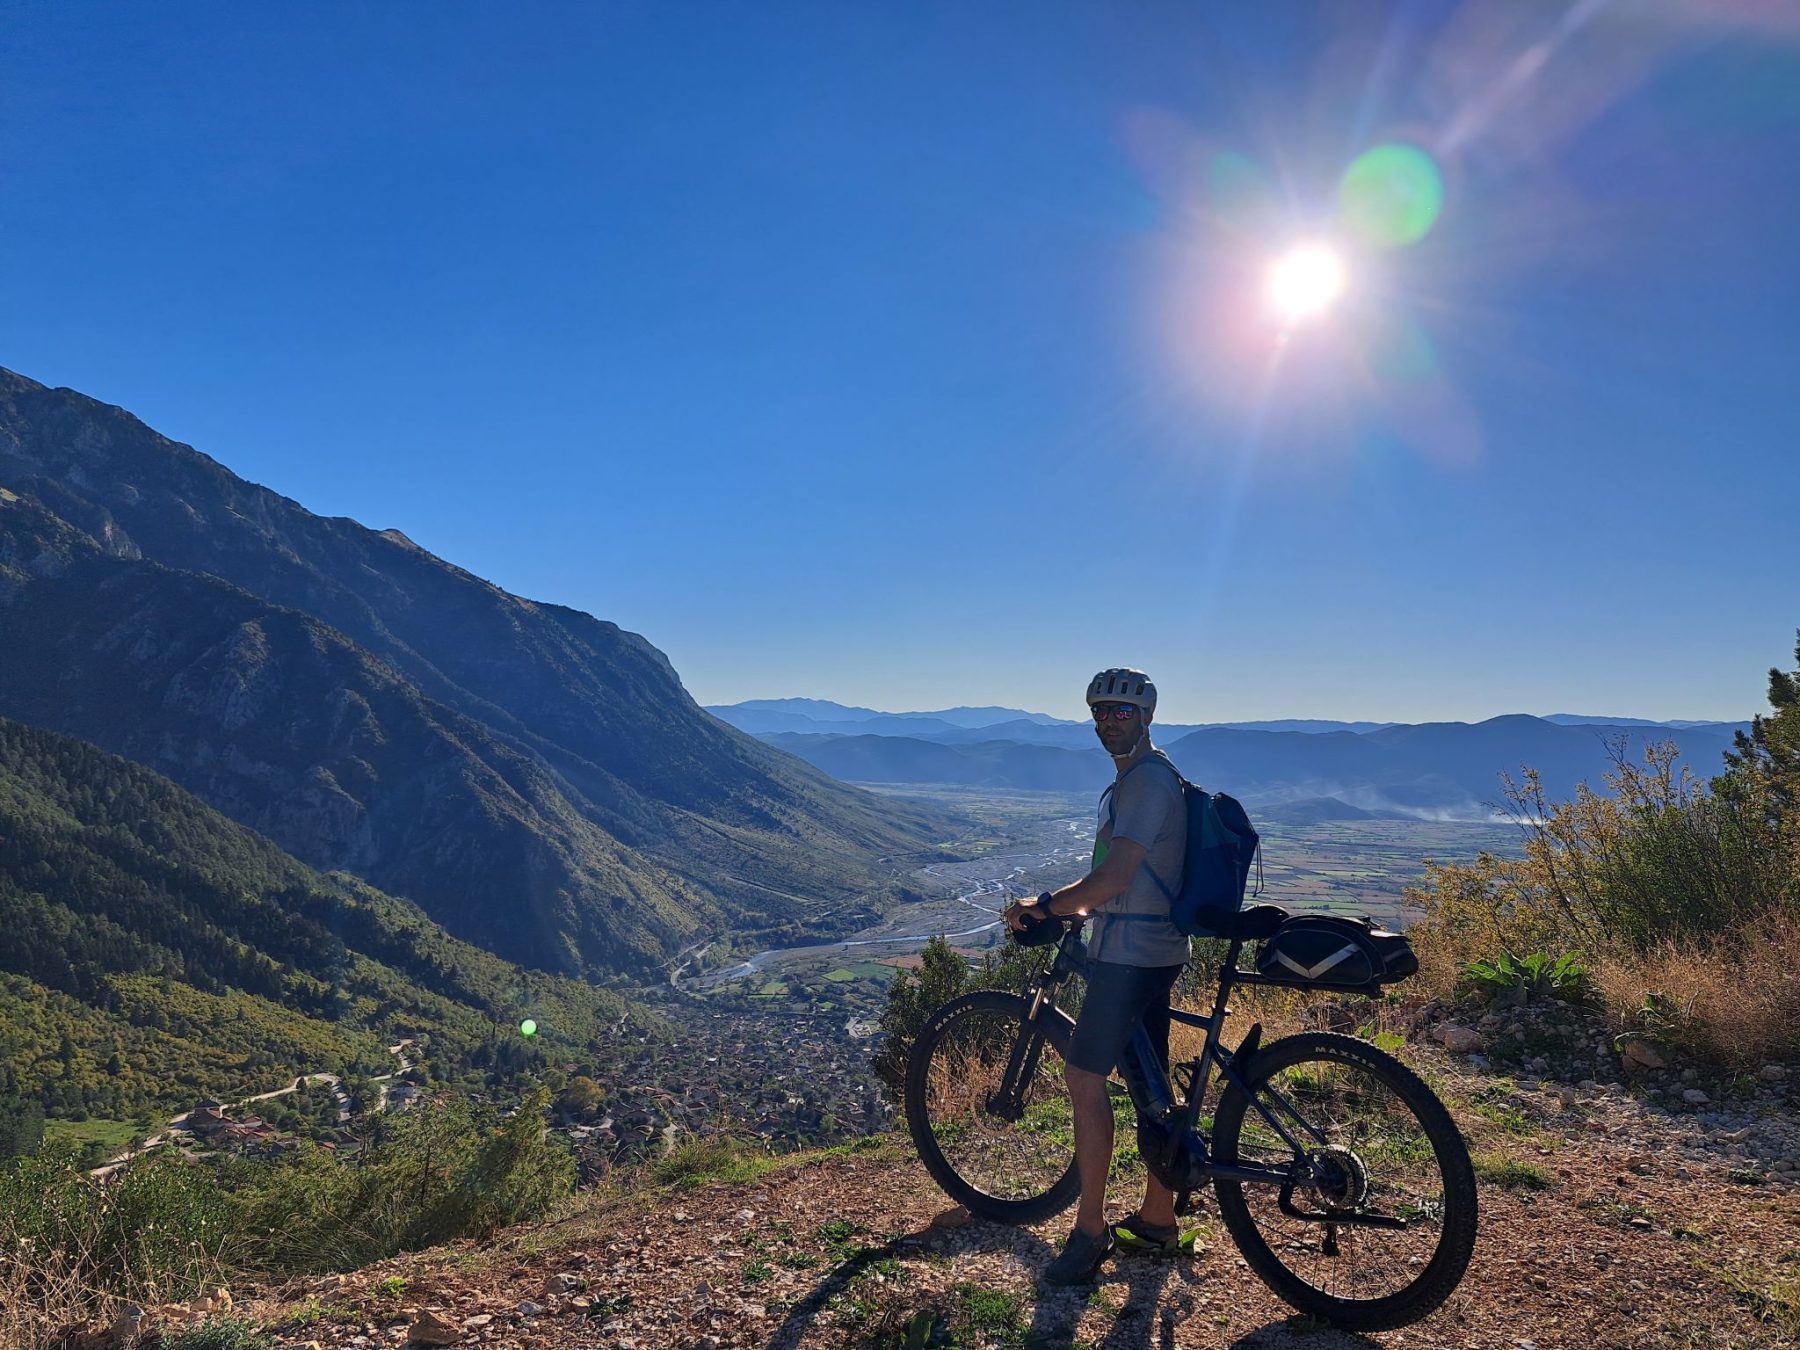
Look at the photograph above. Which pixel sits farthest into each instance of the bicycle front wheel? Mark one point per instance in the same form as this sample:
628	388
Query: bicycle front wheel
1376	1224
988	1107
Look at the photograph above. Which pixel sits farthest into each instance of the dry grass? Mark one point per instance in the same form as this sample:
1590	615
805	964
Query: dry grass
1734	996
41	1298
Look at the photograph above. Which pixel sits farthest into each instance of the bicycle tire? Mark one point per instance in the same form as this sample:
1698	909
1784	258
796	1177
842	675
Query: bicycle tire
1012	1171
1391	1147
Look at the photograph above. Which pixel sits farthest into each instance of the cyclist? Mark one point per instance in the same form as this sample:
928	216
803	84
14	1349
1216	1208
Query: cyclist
1135	953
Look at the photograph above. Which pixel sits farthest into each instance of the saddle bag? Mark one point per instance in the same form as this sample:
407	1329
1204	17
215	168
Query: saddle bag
1326	951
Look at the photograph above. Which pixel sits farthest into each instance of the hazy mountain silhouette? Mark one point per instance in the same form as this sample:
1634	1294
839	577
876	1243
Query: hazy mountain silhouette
1433	770
536	778
954	726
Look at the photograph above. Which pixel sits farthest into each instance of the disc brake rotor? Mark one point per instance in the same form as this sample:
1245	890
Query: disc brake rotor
1339	1180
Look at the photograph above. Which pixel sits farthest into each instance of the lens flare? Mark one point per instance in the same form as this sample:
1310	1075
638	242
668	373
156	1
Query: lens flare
1304	281
1391	195
528	1028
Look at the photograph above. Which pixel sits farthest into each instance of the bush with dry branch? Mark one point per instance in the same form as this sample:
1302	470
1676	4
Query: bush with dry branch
1684	894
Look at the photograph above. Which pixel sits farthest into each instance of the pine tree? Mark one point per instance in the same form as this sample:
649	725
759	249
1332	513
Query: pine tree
1766	760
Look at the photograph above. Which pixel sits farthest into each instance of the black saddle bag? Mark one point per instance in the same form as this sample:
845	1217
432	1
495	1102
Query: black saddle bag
1325	951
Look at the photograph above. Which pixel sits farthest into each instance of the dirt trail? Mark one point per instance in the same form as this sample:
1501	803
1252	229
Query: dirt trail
1639	1238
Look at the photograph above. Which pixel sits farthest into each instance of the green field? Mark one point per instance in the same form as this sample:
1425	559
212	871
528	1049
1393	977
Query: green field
113	1134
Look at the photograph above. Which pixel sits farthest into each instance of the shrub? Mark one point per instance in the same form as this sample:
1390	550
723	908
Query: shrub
446	1171
70	1244
154	1232
943	974
219	1333
1686	894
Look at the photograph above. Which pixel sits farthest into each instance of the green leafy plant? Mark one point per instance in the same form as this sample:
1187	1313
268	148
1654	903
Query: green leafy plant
1565	976
303	1315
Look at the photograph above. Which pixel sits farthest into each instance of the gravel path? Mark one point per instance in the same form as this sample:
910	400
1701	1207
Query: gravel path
1635	1229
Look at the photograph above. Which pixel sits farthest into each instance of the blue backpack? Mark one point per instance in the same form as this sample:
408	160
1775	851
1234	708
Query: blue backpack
1221	846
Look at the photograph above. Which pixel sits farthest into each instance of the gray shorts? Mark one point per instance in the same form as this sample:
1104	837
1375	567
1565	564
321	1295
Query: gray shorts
1119	999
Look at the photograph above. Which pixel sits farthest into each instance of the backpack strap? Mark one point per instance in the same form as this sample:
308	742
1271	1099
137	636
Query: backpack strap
1107	796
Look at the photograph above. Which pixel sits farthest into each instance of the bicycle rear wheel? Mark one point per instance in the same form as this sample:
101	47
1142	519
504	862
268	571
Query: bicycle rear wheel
1377	1146
988	1107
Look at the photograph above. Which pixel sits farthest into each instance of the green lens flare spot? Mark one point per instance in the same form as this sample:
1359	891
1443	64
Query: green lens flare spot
528	1027
1391	195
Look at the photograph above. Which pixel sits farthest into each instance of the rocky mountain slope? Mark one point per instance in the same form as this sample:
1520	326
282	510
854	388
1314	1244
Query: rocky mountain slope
537	778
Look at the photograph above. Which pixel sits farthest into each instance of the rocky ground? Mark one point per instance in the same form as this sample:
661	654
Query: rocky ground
1622	1205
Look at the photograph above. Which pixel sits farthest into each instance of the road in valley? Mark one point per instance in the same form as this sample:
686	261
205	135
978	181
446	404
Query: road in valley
179	1123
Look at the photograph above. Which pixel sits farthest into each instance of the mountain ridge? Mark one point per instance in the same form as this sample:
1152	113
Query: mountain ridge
567	718
762	716
1448	770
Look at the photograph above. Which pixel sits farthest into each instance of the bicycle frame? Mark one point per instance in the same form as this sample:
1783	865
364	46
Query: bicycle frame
1154	1096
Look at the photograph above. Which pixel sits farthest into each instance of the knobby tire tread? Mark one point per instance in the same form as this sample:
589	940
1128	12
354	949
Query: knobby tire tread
1450	1261
1057	1027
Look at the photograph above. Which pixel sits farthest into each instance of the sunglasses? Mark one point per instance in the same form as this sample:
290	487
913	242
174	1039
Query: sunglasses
1119	712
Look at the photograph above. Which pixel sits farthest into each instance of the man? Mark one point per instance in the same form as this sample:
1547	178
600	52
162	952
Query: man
1134	954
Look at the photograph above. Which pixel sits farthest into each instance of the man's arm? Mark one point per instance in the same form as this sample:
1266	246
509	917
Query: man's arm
1105	883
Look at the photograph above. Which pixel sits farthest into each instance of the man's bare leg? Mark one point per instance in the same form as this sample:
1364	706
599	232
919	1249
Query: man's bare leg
1158	1209
1093	1145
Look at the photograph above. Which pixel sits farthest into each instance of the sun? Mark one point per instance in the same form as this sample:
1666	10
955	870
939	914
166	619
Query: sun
1305	282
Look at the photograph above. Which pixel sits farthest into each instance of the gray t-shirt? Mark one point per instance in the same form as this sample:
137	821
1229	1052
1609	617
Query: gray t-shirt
1145	805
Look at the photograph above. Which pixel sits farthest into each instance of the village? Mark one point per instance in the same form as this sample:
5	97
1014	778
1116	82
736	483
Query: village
774	1074
780	1074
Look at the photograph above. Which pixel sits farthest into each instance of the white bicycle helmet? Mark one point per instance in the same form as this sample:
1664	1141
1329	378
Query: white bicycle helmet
1120	685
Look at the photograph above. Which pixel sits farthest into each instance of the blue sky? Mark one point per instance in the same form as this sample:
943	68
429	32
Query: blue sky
901	354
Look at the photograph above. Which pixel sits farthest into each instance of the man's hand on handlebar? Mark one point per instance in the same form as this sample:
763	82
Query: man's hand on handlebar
1022	912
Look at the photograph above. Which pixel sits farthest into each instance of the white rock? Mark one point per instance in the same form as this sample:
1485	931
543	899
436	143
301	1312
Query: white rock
1695	1097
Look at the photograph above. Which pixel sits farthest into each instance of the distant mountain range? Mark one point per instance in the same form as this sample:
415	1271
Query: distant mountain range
1293	770
954	726
535	778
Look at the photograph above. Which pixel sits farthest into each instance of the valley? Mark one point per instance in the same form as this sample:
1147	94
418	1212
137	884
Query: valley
1036	841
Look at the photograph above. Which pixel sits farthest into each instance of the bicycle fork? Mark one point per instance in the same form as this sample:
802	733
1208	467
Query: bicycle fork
1008	1101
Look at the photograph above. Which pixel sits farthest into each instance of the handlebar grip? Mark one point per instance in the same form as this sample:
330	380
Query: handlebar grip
1041	930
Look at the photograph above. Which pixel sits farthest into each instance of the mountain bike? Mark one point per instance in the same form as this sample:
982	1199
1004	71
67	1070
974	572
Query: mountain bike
1341	1178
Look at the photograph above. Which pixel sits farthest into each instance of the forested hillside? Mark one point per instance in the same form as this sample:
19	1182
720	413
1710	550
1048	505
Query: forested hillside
537	779
155	951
